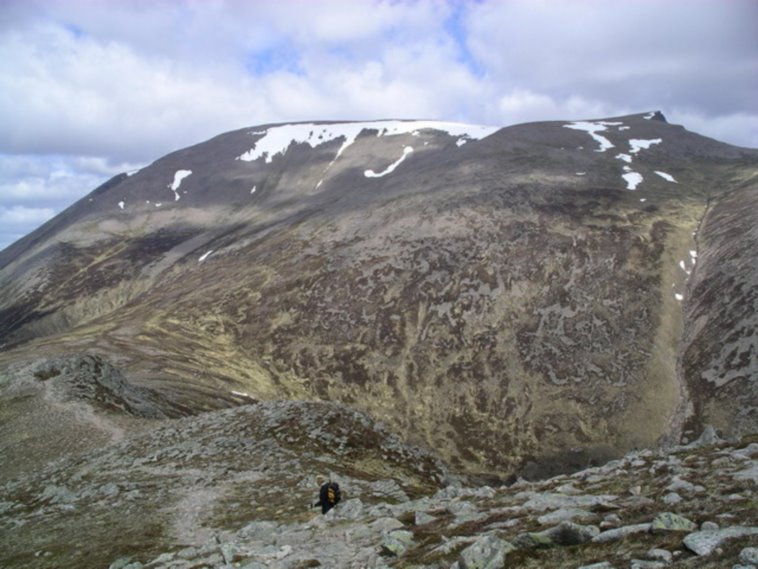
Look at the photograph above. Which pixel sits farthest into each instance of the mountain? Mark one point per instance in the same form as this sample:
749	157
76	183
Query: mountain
506	297
424	311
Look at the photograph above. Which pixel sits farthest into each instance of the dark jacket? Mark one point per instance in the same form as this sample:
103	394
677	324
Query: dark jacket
328	496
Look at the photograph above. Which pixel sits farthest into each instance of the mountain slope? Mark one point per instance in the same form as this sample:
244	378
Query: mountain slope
510	298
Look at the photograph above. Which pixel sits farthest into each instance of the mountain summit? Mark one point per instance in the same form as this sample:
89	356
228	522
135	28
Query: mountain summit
529	299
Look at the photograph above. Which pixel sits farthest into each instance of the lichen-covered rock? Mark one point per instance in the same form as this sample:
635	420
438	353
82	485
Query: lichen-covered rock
621	532
487	552
705	542
668	522
397	542
749	555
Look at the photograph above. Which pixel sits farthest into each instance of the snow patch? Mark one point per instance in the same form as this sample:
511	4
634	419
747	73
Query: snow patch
667	177
649	116
643	199
633	179
133	172
158	204
679	297
277	139
581	173
624	127
391	168
204	256
625	157
121	204
253	190
593	128
637	144
179	175
693	254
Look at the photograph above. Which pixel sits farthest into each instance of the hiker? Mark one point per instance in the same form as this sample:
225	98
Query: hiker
328	495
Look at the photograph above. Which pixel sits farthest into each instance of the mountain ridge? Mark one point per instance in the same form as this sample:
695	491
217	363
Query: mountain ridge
508	290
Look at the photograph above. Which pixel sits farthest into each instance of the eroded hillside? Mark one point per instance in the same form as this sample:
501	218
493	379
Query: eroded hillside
510	298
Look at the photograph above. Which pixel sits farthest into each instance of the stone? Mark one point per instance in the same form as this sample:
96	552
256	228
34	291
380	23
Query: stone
532	540
672	498
396	542
667	522
642	564
749	473
610	521
542	502
680	485
58	494
749	555
618	533
386	525
422	518
259	531
487	552
705	542
750	451
227	552
109	490
600	565
349	510
709	526
660	555
565	514
569	533
163	558
708	437
187	553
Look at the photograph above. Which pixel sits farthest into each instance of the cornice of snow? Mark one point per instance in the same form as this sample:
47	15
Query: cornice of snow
277	139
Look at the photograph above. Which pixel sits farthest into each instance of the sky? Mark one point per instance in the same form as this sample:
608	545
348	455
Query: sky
92	88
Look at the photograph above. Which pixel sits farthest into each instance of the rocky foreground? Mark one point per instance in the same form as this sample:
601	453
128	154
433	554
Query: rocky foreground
233	488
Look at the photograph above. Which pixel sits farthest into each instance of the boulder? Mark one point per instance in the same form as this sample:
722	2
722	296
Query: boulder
570	533
487	552
532	540
749	555
396	542
705	542
667	522
618	533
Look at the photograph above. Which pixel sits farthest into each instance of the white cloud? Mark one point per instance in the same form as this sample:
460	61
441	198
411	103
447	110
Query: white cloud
54	181
524	106
17	221
21	216
62	94
627	54
88	89
742	128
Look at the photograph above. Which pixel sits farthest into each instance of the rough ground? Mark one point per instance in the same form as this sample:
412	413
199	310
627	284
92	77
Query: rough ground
232	488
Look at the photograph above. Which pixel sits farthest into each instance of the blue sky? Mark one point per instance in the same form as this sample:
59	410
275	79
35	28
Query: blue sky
91	88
